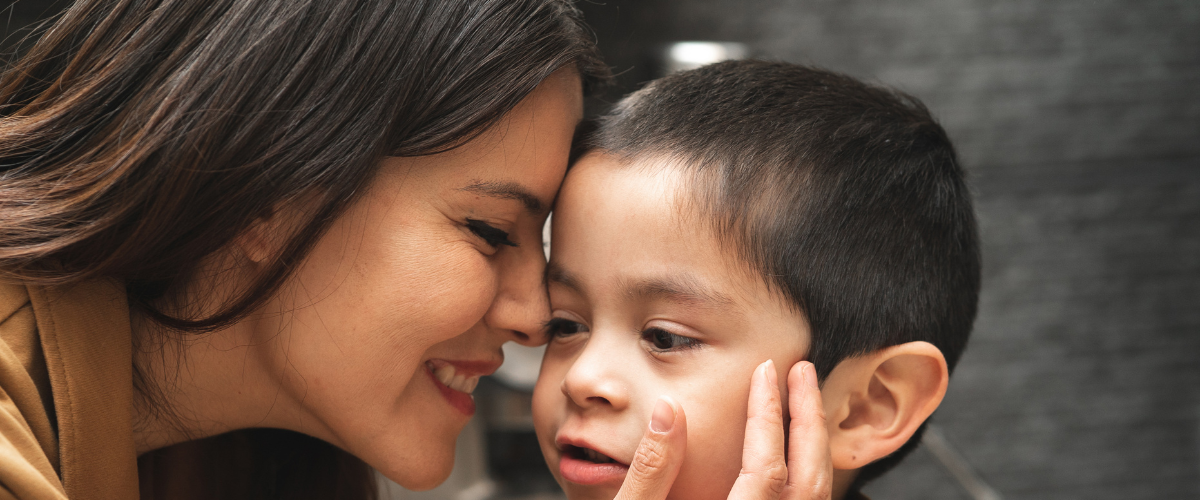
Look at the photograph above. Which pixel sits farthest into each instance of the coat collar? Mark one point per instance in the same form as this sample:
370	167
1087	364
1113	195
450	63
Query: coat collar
86	338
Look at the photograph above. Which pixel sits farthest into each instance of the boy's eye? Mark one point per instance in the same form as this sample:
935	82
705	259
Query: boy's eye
490	234
562	327
663	340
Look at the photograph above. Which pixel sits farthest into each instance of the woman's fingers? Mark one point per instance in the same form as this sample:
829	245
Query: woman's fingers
807	473
658	457
810	469
764	472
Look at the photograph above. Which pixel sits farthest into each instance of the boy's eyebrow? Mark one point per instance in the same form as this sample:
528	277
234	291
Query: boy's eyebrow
556	274
507	190
683	288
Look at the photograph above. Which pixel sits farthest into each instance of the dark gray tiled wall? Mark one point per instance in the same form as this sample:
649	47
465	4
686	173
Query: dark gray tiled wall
1079	122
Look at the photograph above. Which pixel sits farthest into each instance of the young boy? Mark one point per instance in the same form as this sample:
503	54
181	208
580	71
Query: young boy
741	212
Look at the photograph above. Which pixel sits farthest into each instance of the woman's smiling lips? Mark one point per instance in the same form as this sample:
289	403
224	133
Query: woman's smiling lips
582	463
457	379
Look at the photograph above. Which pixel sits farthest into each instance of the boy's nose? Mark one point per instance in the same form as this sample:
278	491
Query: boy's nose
593	383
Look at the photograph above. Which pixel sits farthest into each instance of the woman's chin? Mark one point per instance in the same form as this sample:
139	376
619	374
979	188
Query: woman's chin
424	473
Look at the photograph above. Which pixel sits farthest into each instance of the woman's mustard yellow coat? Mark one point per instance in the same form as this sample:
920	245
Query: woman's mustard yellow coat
66	393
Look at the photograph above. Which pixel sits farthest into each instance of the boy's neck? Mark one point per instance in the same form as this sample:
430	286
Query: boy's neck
853	495
842	480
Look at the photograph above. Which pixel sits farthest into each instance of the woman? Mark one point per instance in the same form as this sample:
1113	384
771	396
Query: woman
295	213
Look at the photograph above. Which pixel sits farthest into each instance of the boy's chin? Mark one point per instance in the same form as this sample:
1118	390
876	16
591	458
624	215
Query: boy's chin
577	492
594	492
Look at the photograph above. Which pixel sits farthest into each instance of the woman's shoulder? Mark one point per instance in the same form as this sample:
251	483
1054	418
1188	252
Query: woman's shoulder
66	391
28	444
13	298
21	356
18	327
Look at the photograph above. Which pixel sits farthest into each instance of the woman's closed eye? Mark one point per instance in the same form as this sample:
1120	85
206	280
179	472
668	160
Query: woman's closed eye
562	327
661	340
489	233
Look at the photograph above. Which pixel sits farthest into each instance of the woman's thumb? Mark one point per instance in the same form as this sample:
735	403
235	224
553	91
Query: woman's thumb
658	457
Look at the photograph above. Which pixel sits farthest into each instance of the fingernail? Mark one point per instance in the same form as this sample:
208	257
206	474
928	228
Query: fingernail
769	370
663	418
810	375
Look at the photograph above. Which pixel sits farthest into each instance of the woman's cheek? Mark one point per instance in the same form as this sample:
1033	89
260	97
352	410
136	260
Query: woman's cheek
457	294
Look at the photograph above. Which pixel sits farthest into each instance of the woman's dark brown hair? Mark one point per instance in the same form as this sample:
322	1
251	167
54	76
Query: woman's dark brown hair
138	137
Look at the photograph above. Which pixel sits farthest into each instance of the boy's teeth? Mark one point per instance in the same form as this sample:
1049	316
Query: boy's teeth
447	375
595	456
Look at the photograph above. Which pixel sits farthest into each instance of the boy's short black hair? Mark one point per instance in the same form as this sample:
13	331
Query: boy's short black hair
847	199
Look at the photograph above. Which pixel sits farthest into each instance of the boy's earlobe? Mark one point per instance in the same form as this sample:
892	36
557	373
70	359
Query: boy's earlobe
877	401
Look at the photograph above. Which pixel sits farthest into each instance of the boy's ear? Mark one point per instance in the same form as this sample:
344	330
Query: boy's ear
875	402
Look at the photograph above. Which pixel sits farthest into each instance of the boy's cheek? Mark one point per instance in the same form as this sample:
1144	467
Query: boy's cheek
716	431
547	398
712	465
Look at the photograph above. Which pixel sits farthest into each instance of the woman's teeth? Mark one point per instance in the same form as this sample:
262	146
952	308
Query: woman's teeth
446	374
595	456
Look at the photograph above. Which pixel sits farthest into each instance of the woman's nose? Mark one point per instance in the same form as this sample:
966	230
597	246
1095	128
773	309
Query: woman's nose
522	306
594	380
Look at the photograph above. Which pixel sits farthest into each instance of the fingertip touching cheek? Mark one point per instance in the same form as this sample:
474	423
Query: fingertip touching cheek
645	302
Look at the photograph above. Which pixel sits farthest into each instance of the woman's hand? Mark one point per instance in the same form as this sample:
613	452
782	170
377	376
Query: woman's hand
807	473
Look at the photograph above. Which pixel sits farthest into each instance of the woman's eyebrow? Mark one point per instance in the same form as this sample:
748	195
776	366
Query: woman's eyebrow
507	190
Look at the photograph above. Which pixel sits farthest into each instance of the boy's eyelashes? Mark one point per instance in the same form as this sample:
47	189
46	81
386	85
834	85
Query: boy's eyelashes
490	234
662	341
562	327
658	339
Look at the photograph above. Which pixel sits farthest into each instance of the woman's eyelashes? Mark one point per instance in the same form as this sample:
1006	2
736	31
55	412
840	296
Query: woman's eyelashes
562	327
661	340
489	233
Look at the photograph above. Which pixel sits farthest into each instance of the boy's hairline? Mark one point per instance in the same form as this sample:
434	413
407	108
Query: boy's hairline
688	206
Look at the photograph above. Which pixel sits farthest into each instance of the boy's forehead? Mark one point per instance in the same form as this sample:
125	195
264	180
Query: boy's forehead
641	203
629	224
654	186
649	172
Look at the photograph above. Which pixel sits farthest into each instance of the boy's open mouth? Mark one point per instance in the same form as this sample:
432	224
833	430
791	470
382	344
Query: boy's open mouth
584	466
587	454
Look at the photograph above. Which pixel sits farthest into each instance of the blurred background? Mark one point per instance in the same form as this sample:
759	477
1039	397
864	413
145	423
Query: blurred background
1079	124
